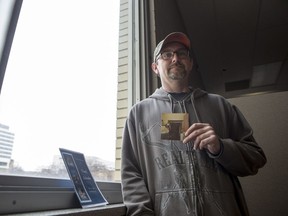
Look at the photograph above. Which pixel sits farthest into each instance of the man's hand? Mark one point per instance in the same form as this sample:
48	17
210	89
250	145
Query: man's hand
204	137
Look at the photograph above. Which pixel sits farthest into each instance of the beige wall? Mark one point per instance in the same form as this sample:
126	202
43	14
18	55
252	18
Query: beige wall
122	97
266	192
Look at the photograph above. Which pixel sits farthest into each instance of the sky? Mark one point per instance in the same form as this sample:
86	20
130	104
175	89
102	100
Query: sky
60	87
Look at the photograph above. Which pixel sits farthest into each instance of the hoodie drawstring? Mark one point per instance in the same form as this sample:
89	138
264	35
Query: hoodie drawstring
171	102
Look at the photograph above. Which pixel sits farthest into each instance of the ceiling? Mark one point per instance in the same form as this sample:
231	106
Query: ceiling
240	47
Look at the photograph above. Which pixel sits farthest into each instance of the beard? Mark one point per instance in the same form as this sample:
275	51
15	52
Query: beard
177	72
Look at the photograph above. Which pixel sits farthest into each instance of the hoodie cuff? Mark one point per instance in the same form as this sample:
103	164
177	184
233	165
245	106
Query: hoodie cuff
214	156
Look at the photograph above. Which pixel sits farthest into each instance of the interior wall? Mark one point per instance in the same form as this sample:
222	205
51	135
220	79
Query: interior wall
266	193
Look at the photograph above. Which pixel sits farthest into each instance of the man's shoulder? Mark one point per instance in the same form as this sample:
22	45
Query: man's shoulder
214	96
144	102
212	99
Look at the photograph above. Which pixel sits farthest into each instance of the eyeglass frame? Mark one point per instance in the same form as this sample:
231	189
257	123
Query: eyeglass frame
173	53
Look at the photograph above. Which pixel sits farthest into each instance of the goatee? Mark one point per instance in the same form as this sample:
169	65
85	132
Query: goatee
177	72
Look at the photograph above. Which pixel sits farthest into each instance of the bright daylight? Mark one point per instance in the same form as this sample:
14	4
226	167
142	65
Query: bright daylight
60	86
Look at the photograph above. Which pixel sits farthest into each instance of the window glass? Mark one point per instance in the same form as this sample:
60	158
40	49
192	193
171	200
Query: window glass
60	88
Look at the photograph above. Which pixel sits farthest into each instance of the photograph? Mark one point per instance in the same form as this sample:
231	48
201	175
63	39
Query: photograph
174	126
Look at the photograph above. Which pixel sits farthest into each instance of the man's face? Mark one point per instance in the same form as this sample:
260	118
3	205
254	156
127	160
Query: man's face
173	64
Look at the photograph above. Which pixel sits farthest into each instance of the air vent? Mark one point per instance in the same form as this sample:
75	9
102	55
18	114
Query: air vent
266	74
237	85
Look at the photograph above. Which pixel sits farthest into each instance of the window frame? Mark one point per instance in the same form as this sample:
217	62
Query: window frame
8	39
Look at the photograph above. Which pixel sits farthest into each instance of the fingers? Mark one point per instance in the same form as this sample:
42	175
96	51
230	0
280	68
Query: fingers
195	126
197	132
203	140
203	136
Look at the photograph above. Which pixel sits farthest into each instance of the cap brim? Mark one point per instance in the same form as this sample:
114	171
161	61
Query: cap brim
178	37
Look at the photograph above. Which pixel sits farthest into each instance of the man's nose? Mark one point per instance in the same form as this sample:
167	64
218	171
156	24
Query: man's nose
175	57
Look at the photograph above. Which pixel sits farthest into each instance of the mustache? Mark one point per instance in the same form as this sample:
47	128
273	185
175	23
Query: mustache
176	64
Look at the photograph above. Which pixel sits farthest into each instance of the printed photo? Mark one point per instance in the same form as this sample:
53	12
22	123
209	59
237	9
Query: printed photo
174	125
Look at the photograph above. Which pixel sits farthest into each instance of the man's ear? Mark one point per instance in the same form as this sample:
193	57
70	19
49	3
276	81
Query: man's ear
154	68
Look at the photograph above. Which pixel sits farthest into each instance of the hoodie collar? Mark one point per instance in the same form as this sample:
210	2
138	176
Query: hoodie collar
161	94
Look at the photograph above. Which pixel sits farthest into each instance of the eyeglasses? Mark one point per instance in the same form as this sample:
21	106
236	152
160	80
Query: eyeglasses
168	55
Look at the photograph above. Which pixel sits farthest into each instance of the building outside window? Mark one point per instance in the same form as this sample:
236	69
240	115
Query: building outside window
6	146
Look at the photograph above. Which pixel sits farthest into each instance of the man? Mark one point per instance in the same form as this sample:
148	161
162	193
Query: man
196	175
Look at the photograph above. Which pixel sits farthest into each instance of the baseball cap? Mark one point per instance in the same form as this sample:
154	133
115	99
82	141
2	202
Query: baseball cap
172	37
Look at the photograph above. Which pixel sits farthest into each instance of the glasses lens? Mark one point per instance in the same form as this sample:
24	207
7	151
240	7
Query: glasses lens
167	55
182	54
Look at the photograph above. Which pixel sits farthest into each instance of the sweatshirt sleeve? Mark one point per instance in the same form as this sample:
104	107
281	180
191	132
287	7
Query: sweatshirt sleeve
135	194
241	155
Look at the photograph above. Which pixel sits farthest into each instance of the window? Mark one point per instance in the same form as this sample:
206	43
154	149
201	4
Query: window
60	88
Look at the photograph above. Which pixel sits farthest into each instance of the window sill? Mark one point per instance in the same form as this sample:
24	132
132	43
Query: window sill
111	210
45	196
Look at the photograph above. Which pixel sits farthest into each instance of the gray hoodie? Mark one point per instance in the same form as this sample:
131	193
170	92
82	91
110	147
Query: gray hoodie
167	177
